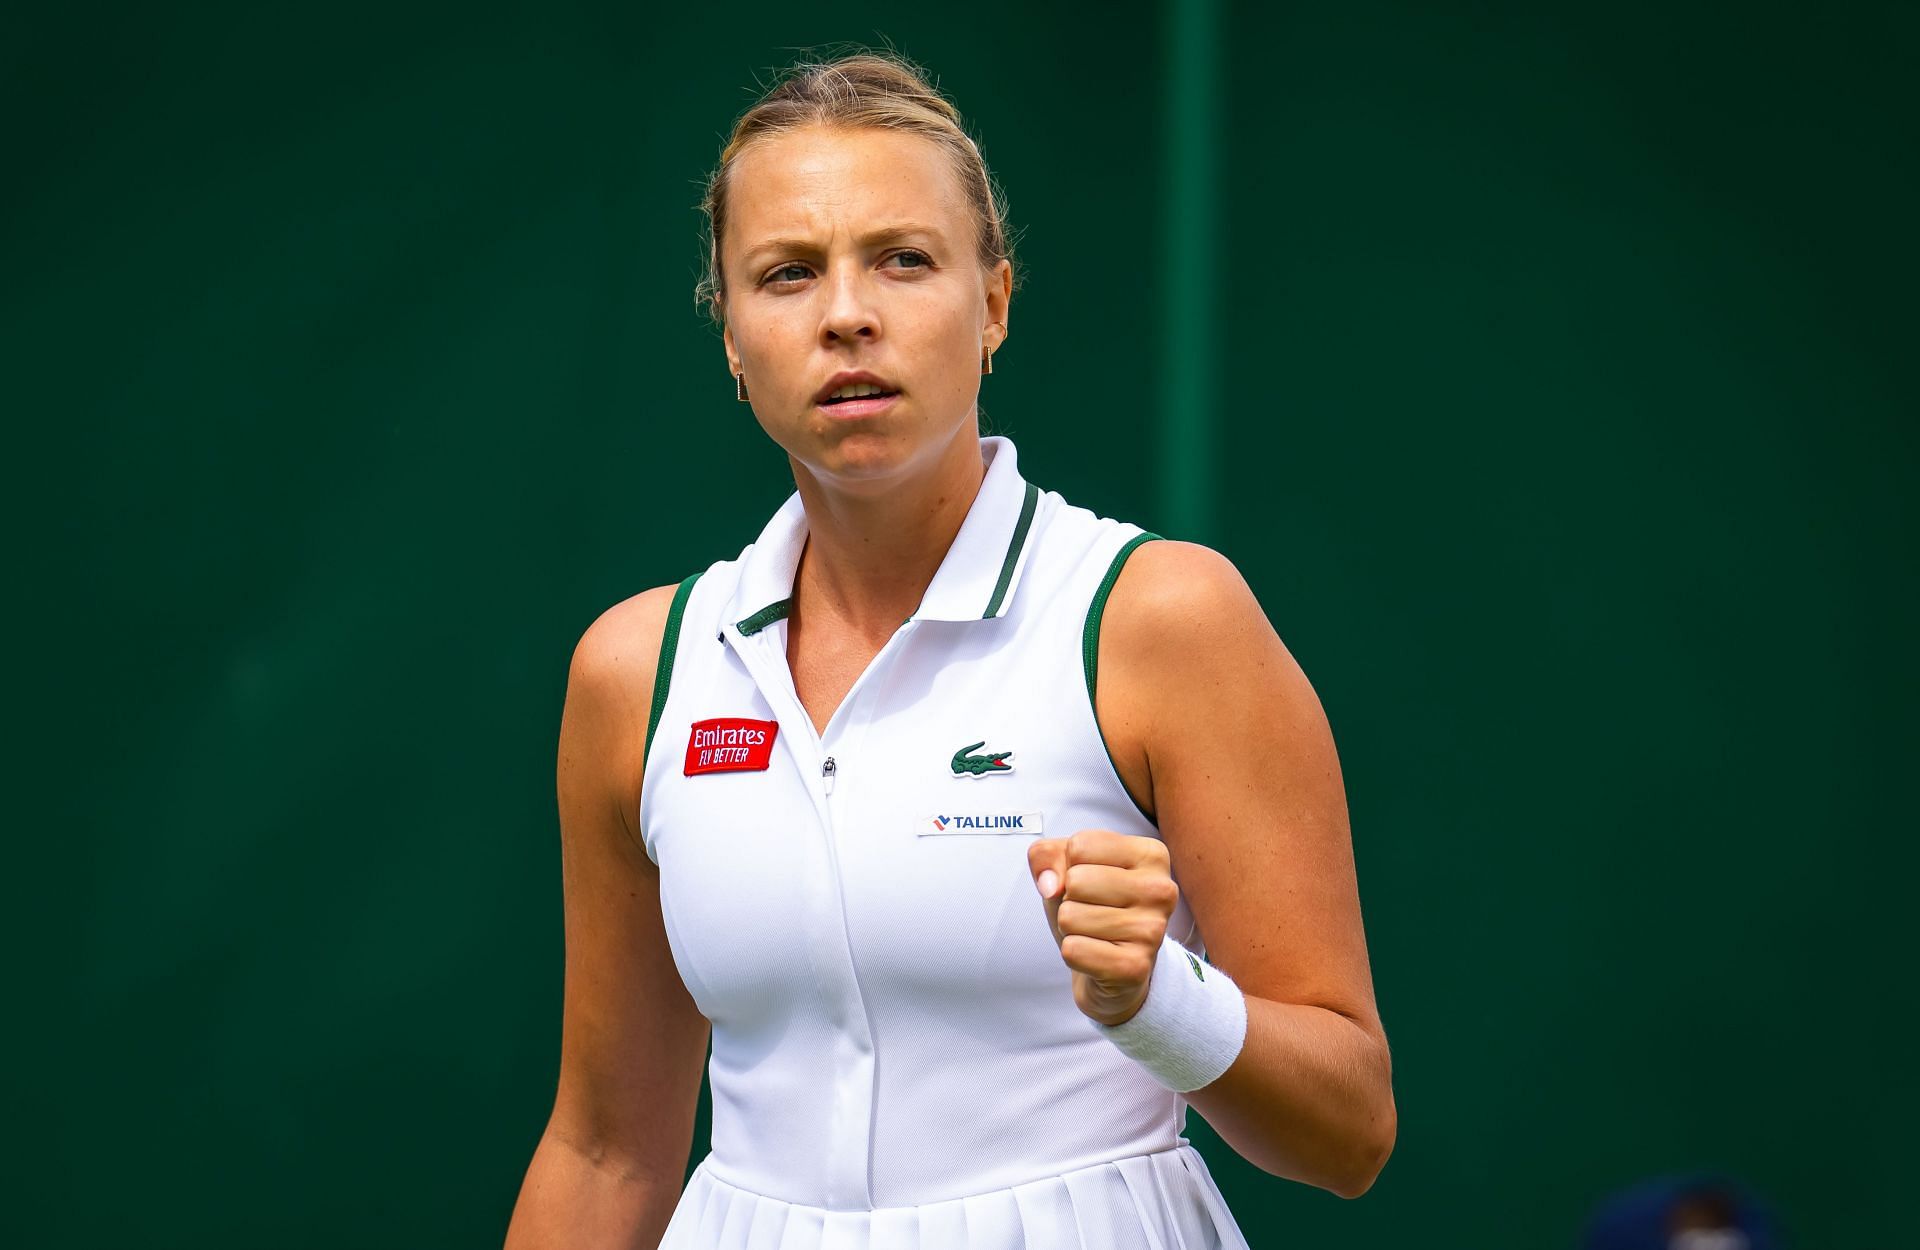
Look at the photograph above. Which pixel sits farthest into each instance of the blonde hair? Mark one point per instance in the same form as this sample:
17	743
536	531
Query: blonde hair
863	88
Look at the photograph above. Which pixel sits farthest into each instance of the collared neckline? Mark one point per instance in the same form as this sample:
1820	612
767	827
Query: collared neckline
975	581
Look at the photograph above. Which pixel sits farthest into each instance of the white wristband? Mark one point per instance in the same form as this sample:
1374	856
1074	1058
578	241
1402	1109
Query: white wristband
1191	1026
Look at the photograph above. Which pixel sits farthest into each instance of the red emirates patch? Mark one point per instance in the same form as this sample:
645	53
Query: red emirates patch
729	744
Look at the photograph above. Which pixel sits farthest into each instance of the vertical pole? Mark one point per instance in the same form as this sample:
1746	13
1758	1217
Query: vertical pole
1188	394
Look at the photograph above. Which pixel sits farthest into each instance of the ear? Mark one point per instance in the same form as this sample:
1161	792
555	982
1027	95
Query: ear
726	338
999	292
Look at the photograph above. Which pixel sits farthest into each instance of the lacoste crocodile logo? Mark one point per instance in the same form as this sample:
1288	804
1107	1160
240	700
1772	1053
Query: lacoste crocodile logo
967	764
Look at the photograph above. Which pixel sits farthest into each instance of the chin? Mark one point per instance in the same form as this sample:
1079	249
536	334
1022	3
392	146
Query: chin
863	452
866	455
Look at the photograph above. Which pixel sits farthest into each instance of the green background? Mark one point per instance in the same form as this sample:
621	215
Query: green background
1557	367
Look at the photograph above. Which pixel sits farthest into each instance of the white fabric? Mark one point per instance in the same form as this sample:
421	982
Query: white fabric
1192	1025
1163	1201
893	1028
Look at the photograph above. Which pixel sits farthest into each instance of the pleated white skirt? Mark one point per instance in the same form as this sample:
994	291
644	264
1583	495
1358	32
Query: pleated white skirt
1161	1201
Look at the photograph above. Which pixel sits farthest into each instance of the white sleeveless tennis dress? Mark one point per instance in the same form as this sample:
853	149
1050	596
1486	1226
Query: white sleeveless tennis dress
898	1063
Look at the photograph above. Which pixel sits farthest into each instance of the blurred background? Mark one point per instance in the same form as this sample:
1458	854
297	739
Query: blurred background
1548	369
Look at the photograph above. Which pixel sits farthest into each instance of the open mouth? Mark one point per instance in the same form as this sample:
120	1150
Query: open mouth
858	399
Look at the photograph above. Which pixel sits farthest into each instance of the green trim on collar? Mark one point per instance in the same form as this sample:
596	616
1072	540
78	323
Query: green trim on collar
765	617
1027	507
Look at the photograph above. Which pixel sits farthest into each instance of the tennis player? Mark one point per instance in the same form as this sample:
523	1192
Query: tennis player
981	835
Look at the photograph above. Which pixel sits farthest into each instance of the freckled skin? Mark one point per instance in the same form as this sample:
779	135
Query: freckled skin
797	315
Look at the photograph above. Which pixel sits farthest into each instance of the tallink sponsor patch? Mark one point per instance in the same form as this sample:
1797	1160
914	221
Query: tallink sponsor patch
978	823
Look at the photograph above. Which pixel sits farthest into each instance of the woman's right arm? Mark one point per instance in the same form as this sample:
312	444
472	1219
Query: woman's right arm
608	1170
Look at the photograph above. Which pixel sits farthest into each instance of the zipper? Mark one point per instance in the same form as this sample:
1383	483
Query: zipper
775	682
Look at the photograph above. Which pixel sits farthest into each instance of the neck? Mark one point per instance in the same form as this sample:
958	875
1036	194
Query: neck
870	557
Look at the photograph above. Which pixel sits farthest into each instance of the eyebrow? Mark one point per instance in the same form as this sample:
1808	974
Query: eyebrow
884	234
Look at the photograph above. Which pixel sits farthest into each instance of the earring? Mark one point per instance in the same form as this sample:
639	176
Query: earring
986	362
740	386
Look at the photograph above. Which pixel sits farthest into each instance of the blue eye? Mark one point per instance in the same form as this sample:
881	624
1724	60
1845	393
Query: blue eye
774	276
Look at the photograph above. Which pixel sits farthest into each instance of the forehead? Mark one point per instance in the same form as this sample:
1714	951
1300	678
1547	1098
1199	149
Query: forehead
815	182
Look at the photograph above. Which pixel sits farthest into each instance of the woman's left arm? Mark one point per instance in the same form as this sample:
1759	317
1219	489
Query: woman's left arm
1216	731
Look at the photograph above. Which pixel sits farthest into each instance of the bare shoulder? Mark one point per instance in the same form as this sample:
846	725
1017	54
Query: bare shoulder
616	656
1185	651
610	682
1168	587
1181	611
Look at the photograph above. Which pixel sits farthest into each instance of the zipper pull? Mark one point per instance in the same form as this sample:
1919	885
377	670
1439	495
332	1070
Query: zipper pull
827	771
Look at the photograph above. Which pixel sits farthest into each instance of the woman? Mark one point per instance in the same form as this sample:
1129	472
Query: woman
926	800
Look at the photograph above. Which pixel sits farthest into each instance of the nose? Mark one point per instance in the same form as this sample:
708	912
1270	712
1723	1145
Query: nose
849	312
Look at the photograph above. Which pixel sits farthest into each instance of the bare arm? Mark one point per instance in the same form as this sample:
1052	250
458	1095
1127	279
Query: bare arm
608	1169
1215	729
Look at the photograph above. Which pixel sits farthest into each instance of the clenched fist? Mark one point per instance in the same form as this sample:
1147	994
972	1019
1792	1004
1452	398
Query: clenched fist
1108	896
